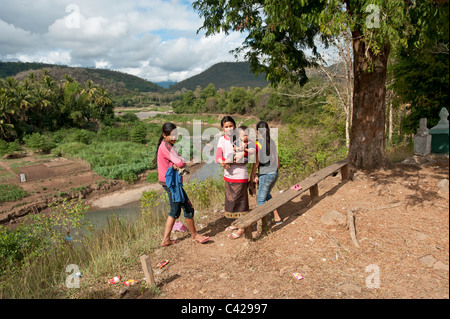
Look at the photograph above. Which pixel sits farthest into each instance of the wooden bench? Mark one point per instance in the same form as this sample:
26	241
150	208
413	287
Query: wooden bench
311	183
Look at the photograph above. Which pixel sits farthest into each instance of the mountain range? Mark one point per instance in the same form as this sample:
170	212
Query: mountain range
223	75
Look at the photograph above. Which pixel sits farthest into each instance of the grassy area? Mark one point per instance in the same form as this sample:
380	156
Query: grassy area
11	192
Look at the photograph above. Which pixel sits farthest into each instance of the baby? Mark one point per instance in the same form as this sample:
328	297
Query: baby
243	148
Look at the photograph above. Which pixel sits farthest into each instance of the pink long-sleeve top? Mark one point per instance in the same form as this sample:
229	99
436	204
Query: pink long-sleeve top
167	156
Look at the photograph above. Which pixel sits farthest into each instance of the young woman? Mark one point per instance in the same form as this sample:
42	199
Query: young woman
235	175
267	164
167	157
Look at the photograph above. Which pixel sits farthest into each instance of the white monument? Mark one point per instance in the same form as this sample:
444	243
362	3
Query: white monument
422	140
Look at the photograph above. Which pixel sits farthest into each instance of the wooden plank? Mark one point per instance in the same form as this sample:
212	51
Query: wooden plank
148	271
261	211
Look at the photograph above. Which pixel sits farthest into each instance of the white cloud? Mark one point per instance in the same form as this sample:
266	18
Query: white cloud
156	40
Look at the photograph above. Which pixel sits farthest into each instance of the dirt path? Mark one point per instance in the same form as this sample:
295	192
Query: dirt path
402	226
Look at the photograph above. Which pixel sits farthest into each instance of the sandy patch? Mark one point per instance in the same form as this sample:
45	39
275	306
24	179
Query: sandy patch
123	196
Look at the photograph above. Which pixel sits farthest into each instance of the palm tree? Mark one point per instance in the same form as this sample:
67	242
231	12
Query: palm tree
7	111
103	102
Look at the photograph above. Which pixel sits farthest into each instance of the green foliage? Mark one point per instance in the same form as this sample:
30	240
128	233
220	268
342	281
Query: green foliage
204	194
29	105
152	177
303	152
3	147
138	132
151	200
116	160
420	73
9	148
40	236
14	147
11	192
38	142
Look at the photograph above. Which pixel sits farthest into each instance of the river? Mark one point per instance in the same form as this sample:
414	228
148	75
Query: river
99	216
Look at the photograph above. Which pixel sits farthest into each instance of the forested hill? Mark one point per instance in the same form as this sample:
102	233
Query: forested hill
223	75
114	81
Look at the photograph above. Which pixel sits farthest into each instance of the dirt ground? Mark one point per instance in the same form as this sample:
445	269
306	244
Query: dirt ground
401	221
402	228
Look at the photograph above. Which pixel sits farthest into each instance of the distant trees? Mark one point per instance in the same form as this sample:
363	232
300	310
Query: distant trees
37	103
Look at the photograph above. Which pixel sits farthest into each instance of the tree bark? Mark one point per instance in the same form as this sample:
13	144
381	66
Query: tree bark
367	136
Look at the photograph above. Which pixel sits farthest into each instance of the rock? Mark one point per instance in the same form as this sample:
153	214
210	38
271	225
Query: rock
439	265
443	185
428	261
334	218
224	276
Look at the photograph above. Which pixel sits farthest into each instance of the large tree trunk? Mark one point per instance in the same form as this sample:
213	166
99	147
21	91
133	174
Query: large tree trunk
367	136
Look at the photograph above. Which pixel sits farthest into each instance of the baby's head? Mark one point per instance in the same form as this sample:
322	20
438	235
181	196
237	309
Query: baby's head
243	133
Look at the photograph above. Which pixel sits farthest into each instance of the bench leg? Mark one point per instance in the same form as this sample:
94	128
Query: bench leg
248	233
345	173
314	192
262	225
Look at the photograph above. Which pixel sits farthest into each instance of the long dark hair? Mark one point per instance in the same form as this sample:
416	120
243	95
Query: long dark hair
263	128
167	128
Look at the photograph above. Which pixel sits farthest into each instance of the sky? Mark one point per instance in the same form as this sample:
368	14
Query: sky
154	39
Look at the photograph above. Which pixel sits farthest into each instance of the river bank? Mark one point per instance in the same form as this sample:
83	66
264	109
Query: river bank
55	179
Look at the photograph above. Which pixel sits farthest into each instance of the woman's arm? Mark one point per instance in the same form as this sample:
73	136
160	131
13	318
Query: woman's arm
253	177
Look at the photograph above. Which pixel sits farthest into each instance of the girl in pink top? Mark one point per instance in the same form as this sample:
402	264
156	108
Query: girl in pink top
166	157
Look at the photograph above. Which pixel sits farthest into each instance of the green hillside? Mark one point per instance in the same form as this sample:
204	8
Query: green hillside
223	75
114	81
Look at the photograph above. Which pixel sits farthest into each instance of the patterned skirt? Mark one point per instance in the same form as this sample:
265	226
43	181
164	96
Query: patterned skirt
236	199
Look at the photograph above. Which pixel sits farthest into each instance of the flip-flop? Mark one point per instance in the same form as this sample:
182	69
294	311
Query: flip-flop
233	236
172	242
231	228
202	241
278	222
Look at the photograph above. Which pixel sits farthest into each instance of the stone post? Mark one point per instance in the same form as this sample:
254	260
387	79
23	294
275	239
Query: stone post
422	140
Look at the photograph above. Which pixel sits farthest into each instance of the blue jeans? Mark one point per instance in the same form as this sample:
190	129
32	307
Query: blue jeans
175	208
265	184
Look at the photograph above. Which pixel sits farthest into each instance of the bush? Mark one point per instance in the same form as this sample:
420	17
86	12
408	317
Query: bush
14	147
3	147
138	133
38	142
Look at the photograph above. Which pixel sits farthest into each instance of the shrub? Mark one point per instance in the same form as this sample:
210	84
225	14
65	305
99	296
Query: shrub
138	133
38	142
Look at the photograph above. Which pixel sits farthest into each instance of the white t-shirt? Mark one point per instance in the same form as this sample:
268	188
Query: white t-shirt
236	173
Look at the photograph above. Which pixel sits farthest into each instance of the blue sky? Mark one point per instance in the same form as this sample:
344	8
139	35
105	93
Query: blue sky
154	39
